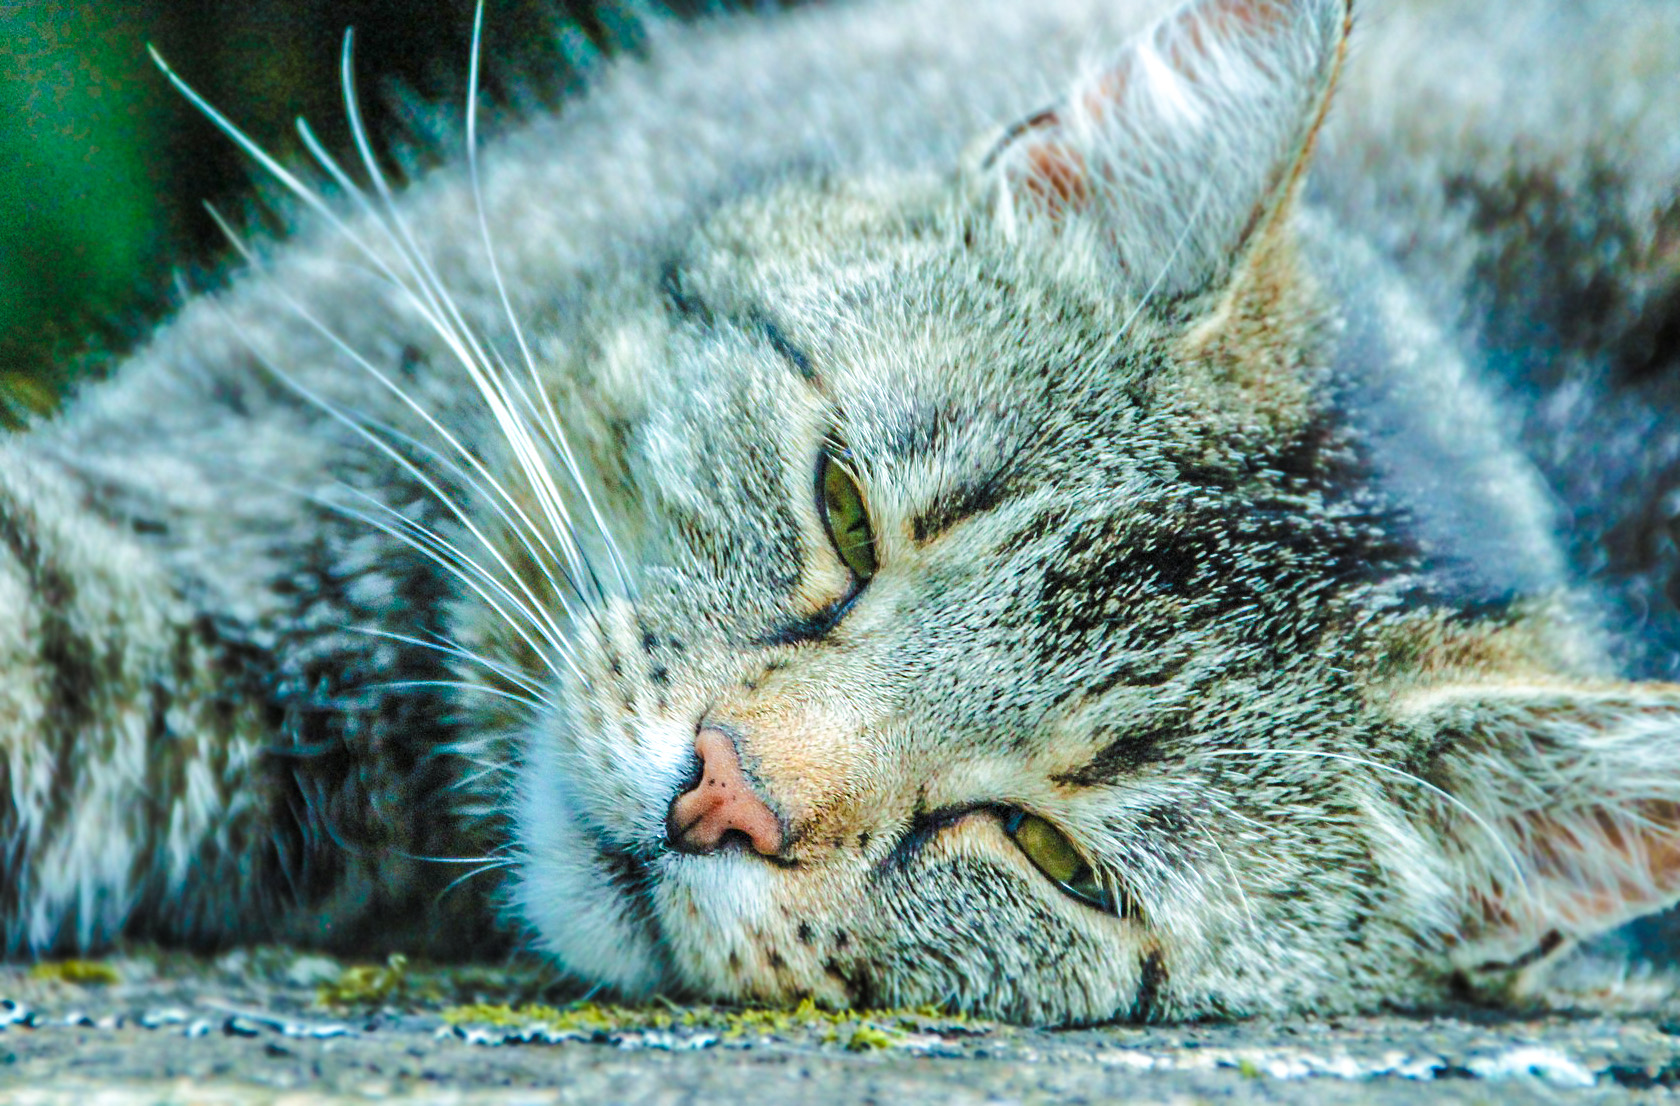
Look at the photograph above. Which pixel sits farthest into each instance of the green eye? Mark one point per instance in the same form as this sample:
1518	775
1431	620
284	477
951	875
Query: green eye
846	519
1054	855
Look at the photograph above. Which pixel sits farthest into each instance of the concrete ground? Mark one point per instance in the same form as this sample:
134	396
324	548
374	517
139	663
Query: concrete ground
277	1026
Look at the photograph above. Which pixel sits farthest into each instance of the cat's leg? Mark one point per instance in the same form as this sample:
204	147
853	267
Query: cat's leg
132	788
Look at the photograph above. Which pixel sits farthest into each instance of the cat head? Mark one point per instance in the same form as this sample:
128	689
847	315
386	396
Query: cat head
1010	621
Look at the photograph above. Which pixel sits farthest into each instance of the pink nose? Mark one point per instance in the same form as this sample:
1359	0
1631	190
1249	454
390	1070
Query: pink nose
722	803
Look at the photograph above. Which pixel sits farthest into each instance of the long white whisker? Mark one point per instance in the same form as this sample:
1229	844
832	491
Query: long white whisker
1172	256
311	198
461	685
558	520
502	860
433	546
528	527
1231	872
519	525
249	145
429	309
486	769
316	203
431	540
459	335
480	870
453	649
472	580
478	589
558	435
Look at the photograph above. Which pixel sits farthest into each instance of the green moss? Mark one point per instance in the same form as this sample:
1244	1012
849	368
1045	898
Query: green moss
364	985
80	972
500	1014
867	1037
858	1031
582	1017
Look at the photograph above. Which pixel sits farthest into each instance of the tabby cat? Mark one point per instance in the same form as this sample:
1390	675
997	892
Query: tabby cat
1065	510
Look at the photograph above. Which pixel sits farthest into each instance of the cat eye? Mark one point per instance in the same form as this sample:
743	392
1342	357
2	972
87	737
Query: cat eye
1054	855
845	518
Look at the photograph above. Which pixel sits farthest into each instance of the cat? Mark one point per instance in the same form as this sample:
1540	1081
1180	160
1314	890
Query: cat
1068	511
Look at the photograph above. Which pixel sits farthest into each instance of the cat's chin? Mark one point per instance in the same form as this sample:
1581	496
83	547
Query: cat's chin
585	905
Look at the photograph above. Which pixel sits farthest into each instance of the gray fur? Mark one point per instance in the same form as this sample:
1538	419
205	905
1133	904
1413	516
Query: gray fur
1202	526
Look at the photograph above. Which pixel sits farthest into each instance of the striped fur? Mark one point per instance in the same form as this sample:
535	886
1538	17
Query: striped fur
1212	433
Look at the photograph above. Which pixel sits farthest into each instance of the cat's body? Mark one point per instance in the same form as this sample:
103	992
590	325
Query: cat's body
1201	528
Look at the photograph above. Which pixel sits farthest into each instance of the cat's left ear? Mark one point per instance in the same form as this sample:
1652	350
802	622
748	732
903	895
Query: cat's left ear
1182	152
1561	816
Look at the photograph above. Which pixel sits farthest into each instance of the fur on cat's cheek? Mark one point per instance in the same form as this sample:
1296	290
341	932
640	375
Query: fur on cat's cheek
572	896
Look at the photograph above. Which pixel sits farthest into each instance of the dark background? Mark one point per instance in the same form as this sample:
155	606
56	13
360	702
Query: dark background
105	169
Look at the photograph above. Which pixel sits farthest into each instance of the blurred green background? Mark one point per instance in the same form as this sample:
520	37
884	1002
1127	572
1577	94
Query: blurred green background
104	169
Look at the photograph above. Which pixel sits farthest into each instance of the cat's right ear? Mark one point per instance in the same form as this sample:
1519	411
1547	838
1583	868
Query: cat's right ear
1180	154
1561	816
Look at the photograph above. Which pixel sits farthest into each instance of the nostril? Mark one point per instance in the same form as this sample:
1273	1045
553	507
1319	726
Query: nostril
721	804
735	839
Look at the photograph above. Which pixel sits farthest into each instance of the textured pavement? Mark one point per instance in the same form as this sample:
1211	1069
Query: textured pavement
279	1026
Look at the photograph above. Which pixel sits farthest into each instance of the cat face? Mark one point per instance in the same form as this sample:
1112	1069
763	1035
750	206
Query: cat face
1008	621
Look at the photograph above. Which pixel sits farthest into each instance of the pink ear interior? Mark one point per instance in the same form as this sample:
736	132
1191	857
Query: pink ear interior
1567	807
1056	176
1189	132
1588	870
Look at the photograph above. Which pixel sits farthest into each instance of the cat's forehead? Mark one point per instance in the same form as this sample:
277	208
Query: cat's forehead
931	340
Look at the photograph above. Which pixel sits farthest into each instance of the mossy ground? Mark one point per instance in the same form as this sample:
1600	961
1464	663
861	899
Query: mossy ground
856	1030
146	1025
518	997
83	972
401	983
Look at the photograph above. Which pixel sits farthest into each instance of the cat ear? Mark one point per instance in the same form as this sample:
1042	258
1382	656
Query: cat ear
1184	148
1564	820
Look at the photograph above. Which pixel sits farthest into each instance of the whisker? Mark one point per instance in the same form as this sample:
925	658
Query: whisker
356	423
359	425
316	203
450	648
519	526
1190	219
427	296
472	582
557	434
526	526
1225	860
480	870
418	535
462	685
459	336
486	770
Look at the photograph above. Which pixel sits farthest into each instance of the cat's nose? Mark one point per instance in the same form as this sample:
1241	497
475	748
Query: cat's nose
723	803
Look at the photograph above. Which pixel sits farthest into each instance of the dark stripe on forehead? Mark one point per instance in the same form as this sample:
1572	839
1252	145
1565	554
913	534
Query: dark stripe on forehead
1122	756
965	501
686	302
790	353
